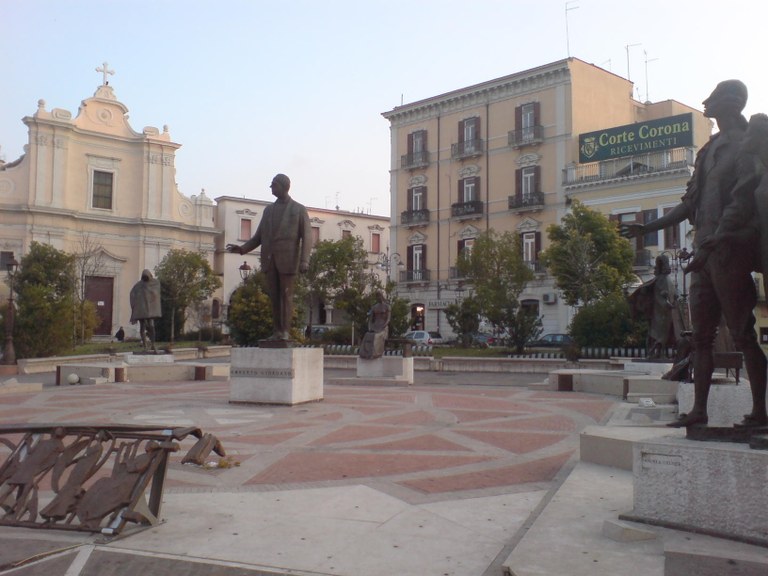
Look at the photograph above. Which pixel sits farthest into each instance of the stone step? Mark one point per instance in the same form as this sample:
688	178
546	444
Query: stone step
612	446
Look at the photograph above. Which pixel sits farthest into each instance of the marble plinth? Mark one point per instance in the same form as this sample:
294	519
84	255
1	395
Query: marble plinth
715	488
276	375
396	367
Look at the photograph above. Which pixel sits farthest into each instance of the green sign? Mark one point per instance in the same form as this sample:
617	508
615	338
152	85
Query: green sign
638	138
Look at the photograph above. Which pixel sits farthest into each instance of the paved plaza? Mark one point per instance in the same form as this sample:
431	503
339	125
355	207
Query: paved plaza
445	478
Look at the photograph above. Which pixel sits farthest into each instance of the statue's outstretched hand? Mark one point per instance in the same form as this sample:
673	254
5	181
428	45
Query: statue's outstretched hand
631	230
234	248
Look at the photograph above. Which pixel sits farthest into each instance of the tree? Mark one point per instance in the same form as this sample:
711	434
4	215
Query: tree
338	275
45	297
587	256
88	262
464	319
250	311
525	326
498	274
607	322
186	278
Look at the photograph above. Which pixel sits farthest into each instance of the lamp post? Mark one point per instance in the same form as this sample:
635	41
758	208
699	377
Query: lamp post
386	262
9	353
245	271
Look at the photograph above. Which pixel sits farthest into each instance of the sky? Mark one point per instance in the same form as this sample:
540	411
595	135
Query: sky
250	88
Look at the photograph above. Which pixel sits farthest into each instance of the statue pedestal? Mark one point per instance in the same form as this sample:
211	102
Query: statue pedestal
728	401
398	368
276	375
715	488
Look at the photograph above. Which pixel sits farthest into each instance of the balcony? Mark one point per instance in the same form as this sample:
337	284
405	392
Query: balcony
455	274
526	136
465	210
536	266
414	217
642	165
414	275
414	160
526	202
467	149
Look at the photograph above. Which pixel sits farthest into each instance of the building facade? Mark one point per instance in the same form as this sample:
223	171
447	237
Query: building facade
511	154
93	185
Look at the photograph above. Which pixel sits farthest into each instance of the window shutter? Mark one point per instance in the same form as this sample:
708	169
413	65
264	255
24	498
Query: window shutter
410	257
537	178
476	120
423	256
537	244
460	195
537	113
424	141
518	118
410	143
410	199
461	131
519	183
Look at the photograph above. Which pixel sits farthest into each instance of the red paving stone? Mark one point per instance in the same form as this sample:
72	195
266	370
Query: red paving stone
427	443
520	443
477	415
354	433
418	417
319	466
543	470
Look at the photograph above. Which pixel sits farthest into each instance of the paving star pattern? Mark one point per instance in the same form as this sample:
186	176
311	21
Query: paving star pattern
418	442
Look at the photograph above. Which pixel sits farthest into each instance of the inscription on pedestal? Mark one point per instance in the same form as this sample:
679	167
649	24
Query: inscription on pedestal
661	462
262	372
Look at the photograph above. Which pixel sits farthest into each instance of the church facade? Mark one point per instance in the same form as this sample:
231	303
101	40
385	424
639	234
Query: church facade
90	184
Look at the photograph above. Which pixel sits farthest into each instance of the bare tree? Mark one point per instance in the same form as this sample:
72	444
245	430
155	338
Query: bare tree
89	262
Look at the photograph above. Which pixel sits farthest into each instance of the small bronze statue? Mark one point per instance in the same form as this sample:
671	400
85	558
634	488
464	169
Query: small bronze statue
656	301
145	307
374	340
285	237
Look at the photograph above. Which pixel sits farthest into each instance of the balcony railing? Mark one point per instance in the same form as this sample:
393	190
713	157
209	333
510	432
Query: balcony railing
522	202
414	217
526	136
414	275
467	209
467	149
676	159
536	266
414	160
456	274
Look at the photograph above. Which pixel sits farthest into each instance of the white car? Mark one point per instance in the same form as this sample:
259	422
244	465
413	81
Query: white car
421	337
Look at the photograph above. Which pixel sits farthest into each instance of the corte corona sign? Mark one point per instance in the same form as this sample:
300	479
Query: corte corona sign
638	138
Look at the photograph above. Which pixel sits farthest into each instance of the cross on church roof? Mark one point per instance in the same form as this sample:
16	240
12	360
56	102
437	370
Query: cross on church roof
104	69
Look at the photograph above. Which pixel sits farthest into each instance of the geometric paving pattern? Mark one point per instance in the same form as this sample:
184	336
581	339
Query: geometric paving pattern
421	441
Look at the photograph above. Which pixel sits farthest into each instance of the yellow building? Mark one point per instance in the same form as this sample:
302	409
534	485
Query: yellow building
91	184
511	154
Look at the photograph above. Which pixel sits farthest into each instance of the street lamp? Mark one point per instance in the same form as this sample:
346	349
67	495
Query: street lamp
386	262
245	271
9	353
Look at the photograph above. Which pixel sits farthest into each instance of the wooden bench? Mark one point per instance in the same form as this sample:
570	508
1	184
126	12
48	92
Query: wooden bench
729	361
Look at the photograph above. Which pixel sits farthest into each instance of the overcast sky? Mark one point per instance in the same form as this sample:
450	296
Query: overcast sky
252	88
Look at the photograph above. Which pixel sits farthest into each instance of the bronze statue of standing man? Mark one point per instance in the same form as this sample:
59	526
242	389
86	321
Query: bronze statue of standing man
284	235
145	307
722	283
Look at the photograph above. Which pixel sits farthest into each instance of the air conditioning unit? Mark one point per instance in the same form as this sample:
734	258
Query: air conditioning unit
549	298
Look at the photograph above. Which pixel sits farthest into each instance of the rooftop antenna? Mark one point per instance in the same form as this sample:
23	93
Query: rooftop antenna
627	47
337	200
567	34
647	98
370	204
609	64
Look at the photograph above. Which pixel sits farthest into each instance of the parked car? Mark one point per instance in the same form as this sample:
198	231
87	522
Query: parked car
551	341
437	338
420	337
483	340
